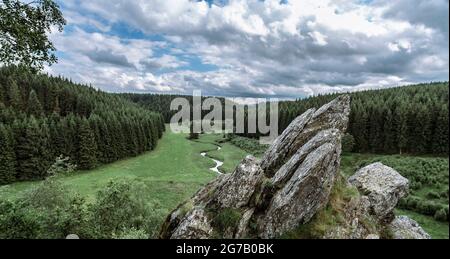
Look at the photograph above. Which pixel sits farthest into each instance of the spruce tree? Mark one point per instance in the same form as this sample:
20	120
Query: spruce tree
402	128
34	105
440	138
7	156
30	159
87	148
14	96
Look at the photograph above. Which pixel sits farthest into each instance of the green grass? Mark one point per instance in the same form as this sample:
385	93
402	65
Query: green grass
230	154
173	172
176	170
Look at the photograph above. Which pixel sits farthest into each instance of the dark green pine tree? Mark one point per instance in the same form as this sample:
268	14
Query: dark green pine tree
153	135
87	148
14	97
34	105
31	162
401	116
359	130
7	156
440	138
390	145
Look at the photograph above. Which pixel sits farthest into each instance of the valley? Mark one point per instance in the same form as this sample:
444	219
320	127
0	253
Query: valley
172	175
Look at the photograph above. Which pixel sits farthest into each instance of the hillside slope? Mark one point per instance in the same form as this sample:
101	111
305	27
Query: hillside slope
43	117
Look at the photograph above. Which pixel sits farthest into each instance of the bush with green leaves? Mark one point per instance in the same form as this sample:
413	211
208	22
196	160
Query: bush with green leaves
441	215
61	166
118	207
48	212
52	212
348	143
250	145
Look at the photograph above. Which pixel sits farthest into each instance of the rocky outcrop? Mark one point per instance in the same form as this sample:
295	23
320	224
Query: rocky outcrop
334	115
383	186
405	228
286	188
305	192
289	186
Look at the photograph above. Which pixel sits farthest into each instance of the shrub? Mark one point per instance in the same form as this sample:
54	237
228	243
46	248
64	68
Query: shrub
440	215
412	203
132	233
61	166
17	222
52	212
433	195
444	194
39	215
251	146
49	194
348	143
121	206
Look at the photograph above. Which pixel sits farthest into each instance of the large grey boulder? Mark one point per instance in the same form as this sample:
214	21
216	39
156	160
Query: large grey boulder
383	185
288	187
405	228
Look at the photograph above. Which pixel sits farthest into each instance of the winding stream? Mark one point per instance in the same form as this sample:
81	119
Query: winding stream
218	163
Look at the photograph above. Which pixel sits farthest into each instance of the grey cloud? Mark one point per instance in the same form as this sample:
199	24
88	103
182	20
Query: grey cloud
431	13
107	57
282	63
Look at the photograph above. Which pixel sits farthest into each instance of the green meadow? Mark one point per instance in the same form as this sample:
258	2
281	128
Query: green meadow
175	170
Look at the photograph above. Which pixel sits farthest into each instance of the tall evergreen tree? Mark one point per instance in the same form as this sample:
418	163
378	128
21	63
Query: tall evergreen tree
87	148
7	156
14	97
31	161
440	138
34	105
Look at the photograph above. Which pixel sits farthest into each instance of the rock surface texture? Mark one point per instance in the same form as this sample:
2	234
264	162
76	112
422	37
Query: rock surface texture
383	185
405	228
288	187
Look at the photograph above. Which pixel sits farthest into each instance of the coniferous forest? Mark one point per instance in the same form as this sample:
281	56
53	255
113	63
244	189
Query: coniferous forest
42	118
410	119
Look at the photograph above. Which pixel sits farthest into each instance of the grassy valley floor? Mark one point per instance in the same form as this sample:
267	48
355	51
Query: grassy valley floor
172	173
175	171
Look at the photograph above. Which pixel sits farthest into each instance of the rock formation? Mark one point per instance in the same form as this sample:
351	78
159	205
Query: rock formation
383	186
288	187
405	228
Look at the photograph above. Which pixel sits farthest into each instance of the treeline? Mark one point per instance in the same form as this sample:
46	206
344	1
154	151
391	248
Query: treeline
43	117
156	102
410	119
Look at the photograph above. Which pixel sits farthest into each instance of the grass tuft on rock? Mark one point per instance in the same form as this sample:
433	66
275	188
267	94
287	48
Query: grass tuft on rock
226	219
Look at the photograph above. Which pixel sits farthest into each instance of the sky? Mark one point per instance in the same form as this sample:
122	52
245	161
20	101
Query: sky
254	48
